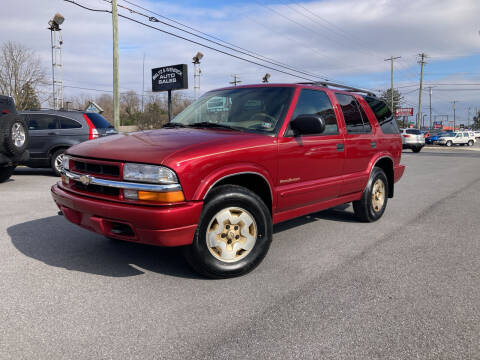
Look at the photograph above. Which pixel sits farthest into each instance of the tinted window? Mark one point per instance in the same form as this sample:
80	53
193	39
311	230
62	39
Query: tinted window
413	131
312	102
42	122
465	134
68	123
98	120
383	115
366	123
351	113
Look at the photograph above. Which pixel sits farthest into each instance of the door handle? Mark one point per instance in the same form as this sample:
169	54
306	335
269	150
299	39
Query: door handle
340	147
52	133
373	144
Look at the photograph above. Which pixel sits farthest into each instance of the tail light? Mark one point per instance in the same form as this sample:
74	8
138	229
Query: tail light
4	111
406	135
93	132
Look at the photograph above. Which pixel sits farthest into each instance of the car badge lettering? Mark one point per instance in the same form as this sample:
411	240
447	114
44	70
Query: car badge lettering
85	180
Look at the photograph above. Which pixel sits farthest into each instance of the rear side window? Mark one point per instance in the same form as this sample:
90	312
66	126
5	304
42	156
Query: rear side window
69	123
383	115
413	132
42	122
314	102
352	113
98	121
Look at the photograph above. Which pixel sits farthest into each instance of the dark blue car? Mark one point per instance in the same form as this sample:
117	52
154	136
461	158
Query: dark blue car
434	138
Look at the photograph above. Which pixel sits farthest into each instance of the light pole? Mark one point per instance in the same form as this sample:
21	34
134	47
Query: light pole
196	73
56	41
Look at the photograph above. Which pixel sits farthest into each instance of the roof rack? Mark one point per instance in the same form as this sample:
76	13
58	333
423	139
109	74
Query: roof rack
339	86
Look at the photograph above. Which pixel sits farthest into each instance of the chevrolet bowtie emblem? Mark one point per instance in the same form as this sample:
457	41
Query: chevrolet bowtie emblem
85	180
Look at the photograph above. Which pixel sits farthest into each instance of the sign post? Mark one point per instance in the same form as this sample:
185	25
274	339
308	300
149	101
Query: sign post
168	78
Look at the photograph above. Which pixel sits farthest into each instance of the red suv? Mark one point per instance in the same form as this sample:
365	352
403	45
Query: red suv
231	165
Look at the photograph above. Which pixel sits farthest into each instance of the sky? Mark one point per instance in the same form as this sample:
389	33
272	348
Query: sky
345	41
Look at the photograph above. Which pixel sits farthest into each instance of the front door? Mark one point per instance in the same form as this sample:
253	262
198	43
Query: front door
310	167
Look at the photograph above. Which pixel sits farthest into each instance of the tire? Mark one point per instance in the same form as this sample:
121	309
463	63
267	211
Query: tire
14	135
56	162
6	172
218	226
417	149
366	209
449	143
470	142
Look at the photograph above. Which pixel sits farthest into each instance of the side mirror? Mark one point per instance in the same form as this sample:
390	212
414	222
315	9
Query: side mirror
307	124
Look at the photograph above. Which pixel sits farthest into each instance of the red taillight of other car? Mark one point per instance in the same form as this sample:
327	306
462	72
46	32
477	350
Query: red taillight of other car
406	135
93	132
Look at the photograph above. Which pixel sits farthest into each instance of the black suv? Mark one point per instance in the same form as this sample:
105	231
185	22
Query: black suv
13	138
54	131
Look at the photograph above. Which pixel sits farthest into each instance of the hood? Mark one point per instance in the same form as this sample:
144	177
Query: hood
154	146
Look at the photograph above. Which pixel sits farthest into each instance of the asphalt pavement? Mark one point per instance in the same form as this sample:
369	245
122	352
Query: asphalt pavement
405	287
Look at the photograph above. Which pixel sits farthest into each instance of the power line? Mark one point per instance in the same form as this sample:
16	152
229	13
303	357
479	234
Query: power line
233	47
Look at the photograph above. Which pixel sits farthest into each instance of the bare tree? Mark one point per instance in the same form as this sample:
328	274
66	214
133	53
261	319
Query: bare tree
20	70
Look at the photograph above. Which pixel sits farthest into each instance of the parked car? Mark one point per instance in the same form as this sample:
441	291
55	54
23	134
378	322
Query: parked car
457	138
52	132
477	134
14	138
215	181
432	139
412	139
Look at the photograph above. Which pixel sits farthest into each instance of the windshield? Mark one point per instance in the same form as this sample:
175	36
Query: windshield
256	109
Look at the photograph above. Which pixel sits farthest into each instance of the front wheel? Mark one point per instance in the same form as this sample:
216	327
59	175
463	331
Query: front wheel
373	202
6	172
233	235
449	143
470	142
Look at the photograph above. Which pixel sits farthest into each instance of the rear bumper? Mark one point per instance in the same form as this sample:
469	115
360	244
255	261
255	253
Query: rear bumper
155	225
398	172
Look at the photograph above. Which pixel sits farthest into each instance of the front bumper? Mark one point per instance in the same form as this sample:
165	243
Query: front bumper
168	225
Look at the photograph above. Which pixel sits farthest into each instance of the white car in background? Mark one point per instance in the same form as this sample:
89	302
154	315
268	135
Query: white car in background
412	139
477	134
458	138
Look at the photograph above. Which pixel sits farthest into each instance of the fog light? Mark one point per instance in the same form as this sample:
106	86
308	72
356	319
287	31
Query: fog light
130	194
65	180
168	197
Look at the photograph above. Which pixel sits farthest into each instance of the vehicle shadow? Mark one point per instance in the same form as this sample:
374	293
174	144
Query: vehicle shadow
22	170
56	242
338	213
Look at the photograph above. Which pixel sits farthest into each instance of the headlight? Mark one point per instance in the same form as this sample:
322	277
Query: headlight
149	173
65	162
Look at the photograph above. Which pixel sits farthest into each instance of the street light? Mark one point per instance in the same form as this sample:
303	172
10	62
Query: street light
56	42
265	78
196	73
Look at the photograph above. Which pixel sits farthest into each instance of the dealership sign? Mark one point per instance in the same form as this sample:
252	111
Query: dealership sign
174	77
404	112
437	125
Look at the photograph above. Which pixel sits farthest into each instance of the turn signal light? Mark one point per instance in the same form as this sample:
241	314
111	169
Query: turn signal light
168	197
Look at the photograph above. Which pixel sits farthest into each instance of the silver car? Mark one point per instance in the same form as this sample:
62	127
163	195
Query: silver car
413	139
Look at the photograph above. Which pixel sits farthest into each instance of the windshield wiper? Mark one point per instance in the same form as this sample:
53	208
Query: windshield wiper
173	125
206	124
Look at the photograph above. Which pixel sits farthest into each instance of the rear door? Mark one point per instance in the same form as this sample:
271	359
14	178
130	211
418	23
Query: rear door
43	129
310	167
360	143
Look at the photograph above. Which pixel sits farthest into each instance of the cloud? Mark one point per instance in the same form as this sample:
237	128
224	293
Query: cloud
345	40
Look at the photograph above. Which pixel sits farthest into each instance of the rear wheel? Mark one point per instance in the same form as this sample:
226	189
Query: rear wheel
374	198
233	235
416	149
56	162
6	172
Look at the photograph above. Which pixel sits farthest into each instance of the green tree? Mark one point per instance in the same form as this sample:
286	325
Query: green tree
476	121
387	97
28	99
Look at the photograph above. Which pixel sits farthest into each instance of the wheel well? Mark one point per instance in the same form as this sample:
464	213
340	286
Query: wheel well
386	164
253	182
53	150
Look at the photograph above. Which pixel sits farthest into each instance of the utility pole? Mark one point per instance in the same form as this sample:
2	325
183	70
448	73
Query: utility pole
116	95
430	93
235	80
454	118
419	114
143	84
468	118
391	76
